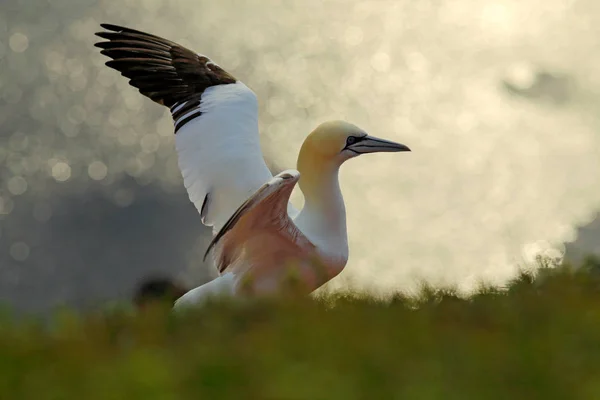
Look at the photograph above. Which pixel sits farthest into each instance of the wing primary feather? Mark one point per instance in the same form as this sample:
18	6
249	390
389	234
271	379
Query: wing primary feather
128	35
160	69
121	52
138	44
121	63
117	28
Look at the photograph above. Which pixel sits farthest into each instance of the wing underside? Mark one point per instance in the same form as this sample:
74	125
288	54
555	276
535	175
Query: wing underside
262	223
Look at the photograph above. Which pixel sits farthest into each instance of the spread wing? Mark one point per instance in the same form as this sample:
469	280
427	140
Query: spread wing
215	117
263	221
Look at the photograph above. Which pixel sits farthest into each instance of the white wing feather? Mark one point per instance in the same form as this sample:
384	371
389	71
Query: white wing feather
219	153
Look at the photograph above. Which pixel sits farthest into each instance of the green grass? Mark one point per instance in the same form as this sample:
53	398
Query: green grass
538	338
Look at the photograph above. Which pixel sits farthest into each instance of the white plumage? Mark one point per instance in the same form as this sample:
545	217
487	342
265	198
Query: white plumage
220	155
262	245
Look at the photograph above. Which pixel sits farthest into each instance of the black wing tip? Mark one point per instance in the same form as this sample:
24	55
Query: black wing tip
139	54
120	31
114	28
108	35
114	64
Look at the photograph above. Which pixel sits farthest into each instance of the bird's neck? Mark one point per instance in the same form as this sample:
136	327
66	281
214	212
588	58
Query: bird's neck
323	218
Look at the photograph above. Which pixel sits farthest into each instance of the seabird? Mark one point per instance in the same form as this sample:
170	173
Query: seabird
261	244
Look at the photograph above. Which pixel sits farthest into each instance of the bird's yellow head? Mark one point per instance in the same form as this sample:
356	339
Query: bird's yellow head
338	141
328	146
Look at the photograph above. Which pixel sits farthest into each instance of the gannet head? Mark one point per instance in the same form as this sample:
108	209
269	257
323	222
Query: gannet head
340	140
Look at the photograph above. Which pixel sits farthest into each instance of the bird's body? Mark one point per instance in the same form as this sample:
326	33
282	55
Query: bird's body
261	244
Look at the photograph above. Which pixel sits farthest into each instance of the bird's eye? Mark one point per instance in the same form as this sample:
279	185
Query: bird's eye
351	140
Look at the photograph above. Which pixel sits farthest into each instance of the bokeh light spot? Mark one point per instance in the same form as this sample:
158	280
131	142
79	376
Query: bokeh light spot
17	185
380	62
97	170
124	197
18	42
19	251
61	171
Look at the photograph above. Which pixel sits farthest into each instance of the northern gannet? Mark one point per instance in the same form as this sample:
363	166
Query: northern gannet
259	239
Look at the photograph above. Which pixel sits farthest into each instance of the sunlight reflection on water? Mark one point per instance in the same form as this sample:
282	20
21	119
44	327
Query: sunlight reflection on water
493	176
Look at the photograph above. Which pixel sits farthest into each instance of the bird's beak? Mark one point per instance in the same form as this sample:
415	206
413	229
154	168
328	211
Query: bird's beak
371	144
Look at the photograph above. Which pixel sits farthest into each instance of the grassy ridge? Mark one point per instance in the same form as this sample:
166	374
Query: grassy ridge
537	339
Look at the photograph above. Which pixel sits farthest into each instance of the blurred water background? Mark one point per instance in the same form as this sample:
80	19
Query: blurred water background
497	100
